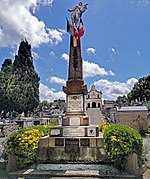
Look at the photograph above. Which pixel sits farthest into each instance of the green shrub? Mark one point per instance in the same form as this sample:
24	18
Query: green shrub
120	141
54	122
24	143
102	127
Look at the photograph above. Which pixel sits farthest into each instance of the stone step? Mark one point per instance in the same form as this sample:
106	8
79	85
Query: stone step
95	116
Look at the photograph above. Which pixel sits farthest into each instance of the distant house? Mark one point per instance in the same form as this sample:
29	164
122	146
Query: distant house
134	116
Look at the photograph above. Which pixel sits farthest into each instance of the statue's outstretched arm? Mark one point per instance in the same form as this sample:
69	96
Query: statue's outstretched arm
70	10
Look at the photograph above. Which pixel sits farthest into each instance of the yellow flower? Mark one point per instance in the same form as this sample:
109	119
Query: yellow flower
113	138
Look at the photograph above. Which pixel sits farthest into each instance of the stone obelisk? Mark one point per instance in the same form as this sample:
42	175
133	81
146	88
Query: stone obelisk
75	89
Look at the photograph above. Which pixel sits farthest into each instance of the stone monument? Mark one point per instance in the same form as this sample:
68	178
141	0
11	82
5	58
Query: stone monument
75	140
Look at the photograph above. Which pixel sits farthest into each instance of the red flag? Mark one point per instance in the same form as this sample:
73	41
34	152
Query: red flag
81	29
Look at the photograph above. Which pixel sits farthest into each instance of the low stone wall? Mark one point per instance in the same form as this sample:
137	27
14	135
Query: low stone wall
12	163
133	168
68	149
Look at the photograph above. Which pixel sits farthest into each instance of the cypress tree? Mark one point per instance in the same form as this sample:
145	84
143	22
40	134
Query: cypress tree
24	82
5	74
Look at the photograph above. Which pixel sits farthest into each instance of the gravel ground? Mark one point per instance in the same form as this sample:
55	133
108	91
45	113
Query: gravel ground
103	169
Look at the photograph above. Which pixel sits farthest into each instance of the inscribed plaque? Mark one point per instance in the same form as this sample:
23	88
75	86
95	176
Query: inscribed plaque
74	121
73	132
75	103
55	131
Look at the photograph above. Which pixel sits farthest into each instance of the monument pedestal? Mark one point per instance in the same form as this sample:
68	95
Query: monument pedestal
75	140
71	149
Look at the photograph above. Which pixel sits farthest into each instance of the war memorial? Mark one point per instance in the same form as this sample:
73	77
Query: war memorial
75	140
75	148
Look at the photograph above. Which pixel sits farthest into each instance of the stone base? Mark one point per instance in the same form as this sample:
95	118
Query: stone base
57	149
74	131
75	120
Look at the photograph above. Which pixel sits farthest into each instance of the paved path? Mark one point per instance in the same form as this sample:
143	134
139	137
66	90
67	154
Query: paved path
146	142
95	115
1	147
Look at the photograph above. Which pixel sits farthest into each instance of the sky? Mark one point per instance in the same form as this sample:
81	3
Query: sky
115	45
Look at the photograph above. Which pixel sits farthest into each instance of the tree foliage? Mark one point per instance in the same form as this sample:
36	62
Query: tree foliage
122	101
23	89
141	90
5	75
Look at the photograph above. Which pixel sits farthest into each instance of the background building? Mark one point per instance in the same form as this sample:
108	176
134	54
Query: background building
94	106
134	116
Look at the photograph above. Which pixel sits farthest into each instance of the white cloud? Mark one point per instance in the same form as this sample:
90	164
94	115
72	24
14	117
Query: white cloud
65	57
92	69
49	94
111	90
130	82
35	55
57	80
52	54
17	22
55	36
138	53
45	2
143	2
113	50
91	51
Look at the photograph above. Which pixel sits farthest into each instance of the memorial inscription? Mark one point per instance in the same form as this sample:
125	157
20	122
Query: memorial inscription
72	132
59	142
84	142
55	132
72	148
75	103
74	121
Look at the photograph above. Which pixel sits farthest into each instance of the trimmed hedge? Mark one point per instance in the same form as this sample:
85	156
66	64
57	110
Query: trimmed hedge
120	141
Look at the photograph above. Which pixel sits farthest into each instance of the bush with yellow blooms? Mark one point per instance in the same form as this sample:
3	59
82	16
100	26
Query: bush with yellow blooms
24	143
120	141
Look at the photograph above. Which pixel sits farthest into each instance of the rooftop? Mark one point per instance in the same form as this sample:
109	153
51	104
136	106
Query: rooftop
132	108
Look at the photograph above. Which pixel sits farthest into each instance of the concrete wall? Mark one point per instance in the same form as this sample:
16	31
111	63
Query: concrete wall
132	166
135	119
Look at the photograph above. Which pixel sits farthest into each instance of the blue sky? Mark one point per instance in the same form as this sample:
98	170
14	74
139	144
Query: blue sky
115	46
